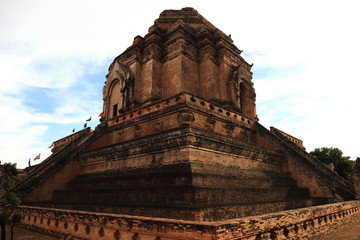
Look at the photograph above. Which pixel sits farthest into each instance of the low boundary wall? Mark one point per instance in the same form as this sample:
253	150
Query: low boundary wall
304	223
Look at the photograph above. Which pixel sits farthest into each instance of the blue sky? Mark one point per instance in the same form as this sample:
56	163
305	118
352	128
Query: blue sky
54	56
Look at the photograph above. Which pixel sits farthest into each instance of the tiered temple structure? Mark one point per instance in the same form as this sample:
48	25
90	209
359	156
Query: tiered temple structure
180	138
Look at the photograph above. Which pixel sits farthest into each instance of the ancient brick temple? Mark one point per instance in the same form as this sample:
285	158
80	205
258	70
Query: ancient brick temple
180	139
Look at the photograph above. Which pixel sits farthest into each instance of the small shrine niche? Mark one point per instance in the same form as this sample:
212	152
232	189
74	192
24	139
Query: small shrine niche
242	92
118	90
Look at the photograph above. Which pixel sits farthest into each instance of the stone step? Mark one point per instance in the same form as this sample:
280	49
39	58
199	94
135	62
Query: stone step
164	177
182	181
187	213
257	208
178	196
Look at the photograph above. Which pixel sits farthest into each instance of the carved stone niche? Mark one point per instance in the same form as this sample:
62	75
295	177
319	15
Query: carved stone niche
229	128
242	92
185	117
159	126
118	91
138	131
211	120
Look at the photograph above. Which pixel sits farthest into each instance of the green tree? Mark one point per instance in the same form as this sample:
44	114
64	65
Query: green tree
343	165
8	199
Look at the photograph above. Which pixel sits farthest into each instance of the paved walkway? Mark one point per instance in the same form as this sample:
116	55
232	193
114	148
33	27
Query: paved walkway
349	232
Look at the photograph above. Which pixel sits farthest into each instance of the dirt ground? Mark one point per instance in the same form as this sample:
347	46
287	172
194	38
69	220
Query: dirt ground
349	232
23	234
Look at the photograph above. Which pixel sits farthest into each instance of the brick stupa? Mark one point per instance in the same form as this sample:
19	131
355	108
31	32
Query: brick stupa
180	138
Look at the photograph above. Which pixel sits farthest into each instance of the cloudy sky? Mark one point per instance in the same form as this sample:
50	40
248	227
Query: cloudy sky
54	55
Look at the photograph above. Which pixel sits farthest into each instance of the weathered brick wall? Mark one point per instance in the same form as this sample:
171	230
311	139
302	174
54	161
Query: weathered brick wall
305	223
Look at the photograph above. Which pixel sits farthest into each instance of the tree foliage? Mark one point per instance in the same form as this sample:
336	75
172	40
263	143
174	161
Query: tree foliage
343	165
8	199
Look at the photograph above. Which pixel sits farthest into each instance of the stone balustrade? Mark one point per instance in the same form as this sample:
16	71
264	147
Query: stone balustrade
304	223
68	139
185	98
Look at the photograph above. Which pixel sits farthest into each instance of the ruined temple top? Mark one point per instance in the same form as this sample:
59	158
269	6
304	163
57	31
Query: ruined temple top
187	15
182	52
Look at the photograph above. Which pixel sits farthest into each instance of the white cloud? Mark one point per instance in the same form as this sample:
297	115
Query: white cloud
309	47
322	109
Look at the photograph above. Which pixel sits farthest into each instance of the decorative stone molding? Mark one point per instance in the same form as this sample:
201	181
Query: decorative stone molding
184	98
304	223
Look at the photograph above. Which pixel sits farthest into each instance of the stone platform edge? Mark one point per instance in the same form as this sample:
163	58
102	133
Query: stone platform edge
303	223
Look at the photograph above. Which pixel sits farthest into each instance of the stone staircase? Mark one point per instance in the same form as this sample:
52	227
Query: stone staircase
184	189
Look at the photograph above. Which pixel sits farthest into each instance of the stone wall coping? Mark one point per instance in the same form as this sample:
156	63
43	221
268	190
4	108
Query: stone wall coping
316	211
304	223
